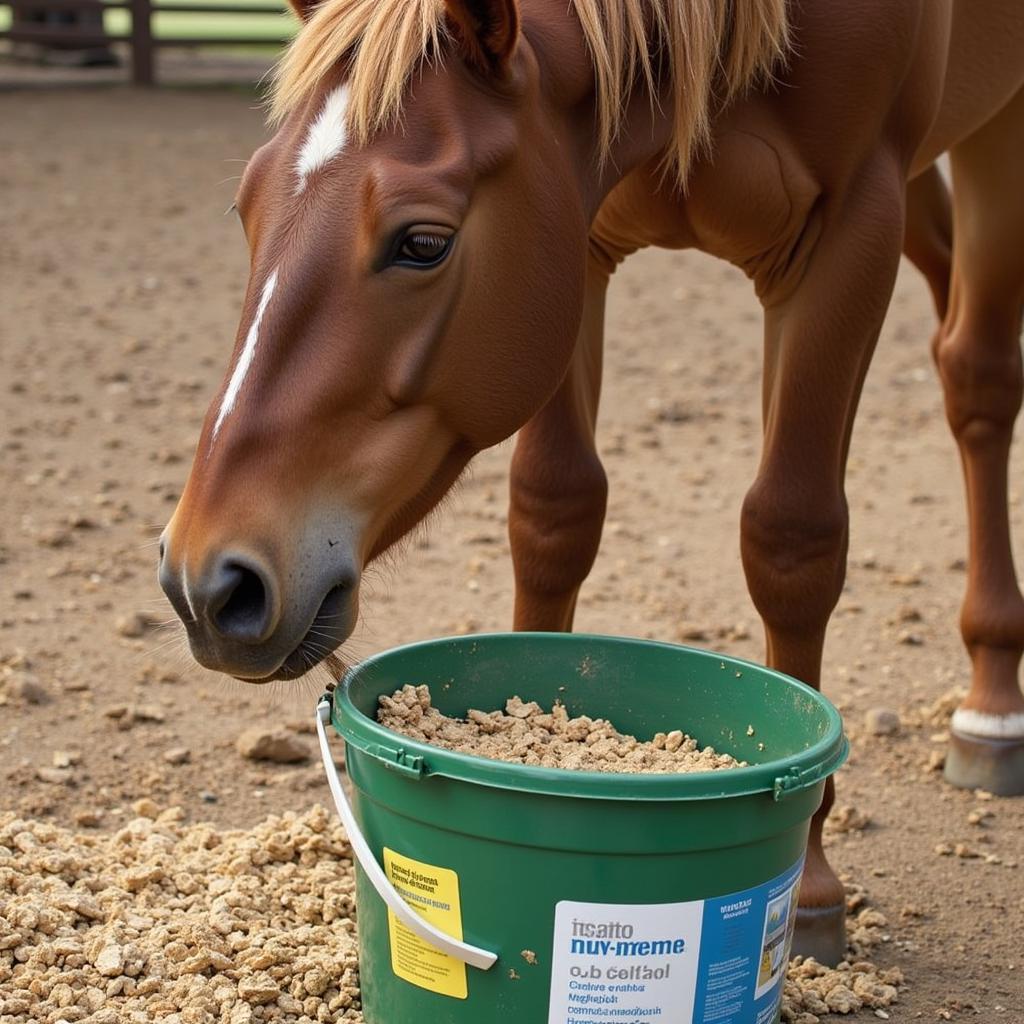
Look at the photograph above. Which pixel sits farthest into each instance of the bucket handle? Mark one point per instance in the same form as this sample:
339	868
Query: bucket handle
472	955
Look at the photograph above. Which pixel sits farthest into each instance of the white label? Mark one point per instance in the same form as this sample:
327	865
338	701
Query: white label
720	960
629	964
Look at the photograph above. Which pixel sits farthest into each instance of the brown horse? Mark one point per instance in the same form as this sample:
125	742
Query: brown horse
432	231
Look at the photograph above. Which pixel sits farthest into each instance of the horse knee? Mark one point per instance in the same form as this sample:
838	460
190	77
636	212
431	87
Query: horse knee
556	516
794	555
979	362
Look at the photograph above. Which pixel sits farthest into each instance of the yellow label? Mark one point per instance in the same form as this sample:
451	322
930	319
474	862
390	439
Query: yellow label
433	893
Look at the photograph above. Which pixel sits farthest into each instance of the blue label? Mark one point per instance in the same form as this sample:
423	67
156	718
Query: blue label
744	951
714	961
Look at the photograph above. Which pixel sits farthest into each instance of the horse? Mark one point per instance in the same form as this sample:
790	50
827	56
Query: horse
432	230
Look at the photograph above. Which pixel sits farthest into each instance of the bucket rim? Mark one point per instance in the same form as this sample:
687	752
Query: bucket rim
781	777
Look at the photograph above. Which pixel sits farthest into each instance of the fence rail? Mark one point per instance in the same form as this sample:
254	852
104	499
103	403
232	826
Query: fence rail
30	22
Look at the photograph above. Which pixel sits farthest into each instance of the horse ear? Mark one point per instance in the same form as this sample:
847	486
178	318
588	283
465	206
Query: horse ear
487	31
304	8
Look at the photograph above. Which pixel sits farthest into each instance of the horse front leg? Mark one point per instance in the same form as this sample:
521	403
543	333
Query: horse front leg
558	486
819	336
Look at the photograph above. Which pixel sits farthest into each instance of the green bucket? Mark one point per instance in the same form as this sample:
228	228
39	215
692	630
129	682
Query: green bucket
526	895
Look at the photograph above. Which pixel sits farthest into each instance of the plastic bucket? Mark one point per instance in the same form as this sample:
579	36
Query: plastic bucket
540	896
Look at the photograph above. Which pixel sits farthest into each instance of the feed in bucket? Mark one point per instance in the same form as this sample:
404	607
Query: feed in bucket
525	734
641	897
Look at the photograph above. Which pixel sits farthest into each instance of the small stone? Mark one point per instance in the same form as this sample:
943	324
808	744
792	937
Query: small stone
674	740
54	537
88	819
847	819
207	797
529	956
316	982
963	851
258	989
146	808
843	1000
515	708
110	962
178	755
881	722
869	918
691	631
54	776
279	746
66	758
30	690
905	579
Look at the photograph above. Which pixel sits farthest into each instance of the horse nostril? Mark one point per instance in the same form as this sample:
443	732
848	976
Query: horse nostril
241	607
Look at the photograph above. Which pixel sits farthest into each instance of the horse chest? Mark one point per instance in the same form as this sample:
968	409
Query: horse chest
748	204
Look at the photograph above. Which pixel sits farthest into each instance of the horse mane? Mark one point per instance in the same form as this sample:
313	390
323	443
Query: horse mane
712	50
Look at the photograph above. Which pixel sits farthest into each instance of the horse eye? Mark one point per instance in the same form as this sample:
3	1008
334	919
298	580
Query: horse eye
423	249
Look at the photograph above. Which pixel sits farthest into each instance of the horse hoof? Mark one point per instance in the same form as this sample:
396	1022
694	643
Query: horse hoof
821	933
995	764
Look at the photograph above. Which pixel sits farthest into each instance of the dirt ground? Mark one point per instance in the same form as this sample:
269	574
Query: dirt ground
120	283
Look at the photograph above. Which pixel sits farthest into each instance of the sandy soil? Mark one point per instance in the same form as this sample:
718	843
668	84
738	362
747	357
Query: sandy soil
120	283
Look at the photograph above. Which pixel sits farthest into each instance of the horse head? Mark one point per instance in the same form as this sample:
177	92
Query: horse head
417	265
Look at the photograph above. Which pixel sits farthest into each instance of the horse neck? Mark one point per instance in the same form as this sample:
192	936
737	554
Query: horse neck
568	73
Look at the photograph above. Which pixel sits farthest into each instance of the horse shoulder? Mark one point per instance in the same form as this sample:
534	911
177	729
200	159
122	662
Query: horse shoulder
750	201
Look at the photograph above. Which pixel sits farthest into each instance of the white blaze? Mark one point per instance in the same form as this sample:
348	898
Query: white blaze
246	357
326	136
324	141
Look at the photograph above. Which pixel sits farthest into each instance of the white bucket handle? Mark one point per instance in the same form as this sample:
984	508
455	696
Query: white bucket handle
471	955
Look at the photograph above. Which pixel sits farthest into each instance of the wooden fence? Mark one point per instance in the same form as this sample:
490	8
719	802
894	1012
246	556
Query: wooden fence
78	24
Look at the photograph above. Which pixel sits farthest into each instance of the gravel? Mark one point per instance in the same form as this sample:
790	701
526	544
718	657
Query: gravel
179	924
189	924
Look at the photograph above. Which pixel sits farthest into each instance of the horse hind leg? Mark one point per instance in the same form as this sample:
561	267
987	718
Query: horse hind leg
979	358
928	239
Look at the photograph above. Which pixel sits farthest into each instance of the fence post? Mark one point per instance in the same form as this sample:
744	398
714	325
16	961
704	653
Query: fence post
142	42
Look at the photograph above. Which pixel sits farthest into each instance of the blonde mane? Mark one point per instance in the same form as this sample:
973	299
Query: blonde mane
711	49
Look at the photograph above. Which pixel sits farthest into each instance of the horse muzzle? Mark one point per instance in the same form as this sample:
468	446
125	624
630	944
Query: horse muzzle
247	619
